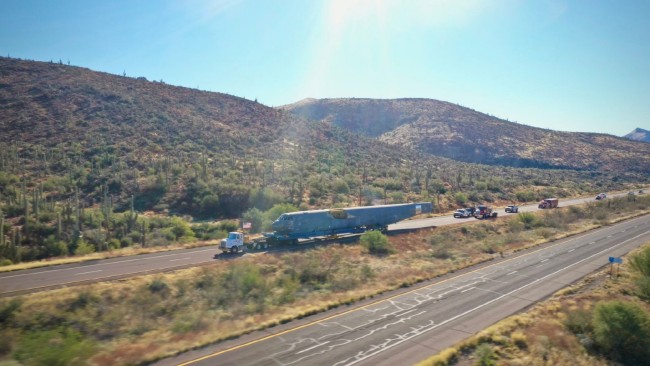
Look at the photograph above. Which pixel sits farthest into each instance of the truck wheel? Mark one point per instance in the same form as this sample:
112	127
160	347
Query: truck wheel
234	249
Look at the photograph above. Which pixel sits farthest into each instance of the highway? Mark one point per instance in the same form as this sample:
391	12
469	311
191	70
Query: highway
24	281
407	326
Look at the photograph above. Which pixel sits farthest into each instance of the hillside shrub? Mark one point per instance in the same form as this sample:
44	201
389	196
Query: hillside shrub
528	219
8	309
622	331
640	264
460	198
56	347
376	243
256	218
525	196
83	248
485	355
274	212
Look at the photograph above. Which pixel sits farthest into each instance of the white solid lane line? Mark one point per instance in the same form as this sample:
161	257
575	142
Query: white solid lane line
83	273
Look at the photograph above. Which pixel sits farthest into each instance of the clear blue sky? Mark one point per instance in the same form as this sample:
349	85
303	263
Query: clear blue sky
563	65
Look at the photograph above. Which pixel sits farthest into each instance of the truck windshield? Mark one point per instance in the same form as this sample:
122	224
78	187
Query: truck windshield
232	236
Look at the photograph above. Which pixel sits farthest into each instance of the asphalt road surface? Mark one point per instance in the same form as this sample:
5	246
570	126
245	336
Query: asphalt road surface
24	281
406	327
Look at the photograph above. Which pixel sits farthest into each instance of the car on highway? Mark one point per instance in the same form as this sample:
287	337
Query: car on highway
461	213
601	196
512	209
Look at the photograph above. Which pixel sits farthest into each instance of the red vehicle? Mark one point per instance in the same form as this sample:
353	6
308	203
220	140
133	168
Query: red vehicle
484	212
548	203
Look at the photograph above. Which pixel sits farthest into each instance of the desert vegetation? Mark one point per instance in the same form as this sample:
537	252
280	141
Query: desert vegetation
145	318
58	201
93	162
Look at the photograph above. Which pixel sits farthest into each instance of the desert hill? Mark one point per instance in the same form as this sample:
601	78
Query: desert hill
186	150
449	130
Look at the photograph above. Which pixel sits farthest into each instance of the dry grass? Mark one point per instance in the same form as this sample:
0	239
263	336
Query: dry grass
154	316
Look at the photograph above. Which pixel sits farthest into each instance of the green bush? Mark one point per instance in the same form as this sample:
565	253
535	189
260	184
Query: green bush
525	196
485	355
376	243
578	321
256	218
622	331
643	288
158	285
274	212
640	262
528	219
57	347
8	309
460	198
83	248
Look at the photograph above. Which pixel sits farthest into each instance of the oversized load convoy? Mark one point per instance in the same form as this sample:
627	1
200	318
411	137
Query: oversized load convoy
290	227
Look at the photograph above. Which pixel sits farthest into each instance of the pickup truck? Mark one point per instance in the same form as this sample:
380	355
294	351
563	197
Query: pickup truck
512	208
461	214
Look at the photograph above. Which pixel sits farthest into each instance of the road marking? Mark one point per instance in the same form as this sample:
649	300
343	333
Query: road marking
102	264
83	273
287	331
180	259
593	242
571	250
511	273
471	288
404	313
544	260
311	348
107	277
404	339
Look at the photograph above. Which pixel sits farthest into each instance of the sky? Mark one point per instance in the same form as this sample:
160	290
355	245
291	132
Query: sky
562	65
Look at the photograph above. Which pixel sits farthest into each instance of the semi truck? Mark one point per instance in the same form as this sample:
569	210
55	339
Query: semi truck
290	227
548	203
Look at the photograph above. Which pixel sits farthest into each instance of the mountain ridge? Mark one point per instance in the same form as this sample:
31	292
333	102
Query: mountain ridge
449	130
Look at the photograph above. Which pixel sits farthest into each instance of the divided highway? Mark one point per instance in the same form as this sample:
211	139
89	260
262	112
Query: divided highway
19	282
404	328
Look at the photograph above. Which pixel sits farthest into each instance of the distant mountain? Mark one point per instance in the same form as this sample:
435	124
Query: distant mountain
449	130
639	134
